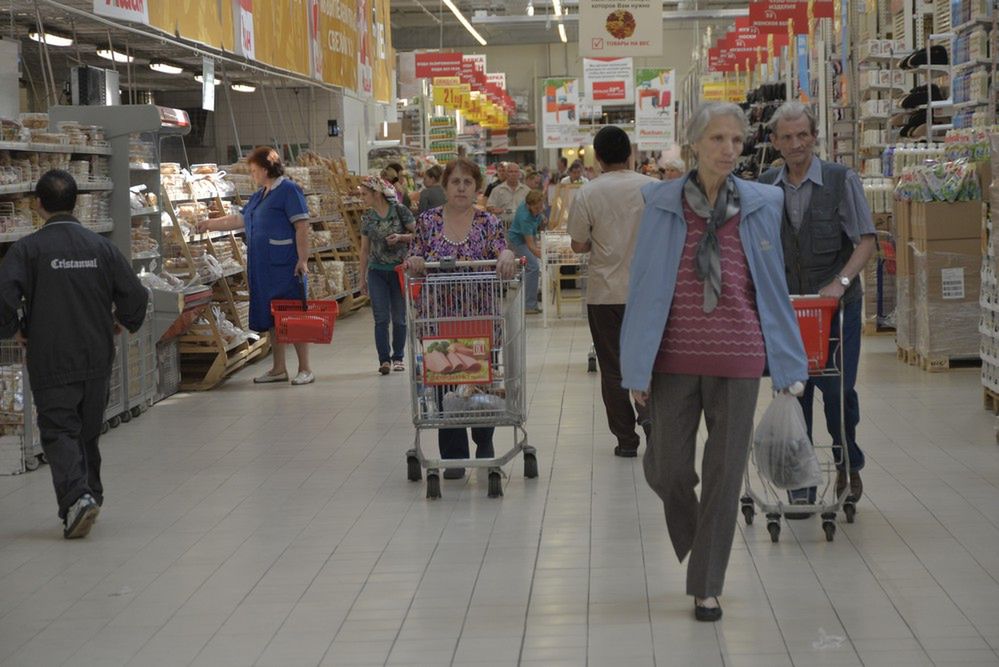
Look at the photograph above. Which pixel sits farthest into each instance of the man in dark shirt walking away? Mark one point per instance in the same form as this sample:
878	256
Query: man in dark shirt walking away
57	289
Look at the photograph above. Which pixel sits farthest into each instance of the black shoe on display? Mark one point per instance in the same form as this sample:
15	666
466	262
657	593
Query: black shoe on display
938	56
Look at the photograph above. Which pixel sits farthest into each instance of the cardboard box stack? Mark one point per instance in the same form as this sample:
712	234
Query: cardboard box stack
905	312
947	257
989	327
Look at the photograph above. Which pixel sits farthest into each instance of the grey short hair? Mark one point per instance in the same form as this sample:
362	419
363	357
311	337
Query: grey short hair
707	112
674	163
792	111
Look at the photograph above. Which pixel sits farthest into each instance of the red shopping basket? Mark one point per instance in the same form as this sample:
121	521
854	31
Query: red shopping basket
414	288
297	321
816	315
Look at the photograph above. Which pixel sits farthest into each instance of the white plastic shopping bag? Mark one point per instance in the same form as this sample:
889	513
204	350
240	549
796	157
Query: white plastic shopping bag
783	452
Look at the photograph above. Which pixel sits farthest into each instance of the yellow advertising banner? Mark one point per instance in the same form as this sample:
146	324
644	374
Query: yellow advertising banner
335	42
281	31
384	61
206	21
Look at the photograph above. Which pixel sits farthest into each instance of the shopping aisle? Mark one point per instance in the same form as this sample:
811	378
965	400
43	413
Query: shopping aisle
275	526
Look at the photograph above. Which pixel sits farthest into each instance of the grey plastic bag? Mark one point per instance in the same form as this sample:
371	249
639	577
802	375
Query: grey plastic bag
783	452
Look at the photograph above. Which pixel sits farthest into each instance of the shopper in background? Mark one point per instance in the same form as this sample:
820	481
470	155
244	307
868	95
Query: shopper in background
499	179
276	219
386	232
57	290
432	194
707	280
523	238
459	231
673	168
603	221
397	178
534	180
563	170
828	237
508	196
575	175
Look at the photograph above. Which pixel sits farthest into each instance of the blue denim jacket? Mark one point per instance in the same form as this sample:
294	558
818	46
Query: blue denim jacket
656	263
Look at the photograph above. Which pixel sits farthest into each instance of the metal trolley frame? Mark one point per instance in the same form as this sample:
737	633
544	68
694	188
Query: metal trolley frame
466	300
817	336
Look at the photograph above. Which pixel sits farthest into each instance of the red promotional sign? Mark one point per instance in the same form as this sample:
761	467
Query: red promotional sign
432	65
608	90
771	16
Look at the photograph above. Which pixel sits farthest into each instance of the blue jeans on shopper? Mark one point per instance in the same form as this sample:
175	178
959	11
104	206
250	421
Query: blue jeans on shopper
829	386
532	273
387	305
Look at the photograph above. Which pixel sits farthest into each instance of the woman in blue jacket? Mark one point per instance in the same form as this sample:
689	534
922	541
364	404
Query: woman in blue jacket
707	310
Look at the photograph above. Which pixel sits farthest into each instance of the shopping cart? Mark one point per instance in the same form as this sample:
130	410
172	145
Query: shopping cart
468	356
819	318
564	275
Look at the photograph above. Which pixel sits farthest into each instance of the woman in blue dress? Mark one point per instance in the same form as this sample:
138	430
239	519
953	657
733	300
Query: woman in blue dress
277	237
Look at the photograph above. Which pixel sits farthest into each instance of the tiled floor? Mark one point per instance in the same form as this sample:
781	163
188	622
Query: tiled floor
275	526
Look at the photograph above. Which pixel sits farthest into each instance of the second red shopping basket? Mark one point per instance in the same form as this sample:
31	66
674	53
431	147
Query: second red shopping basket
816	316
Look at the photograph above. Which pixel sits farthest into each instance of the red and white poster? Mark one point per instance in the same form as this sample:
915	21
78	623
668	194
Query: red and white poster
620	28
136	11
436	64
771	16
243	24
608	81
364	56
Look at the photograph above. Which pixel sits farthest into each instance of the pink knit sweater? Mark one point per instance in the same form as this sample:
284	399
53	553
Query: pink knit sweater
728	341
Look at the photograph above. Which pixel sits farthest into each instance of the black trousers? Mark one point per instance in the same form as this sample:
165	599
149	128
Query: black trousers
69	421
605	327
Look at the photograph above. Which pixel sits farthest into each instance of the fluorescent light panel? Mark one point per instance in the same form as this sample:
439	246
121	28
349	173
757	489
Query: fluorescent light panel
51	39
201	79
114	56
461	19
243	87
561	33
165	68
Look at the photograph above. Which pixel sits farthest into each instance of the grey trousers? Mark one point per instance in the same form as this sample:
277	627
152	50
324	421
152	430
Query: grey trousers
704	529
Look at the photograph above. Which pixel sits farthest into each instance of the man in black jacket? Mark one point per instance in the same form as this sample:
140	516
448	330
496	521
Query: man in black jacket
57	289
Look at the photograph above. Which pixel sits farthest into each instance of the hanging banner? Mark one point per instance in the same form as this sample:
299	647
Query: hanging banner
804	83
772	15
655	118
609	80
560	117
208	84
497	79
209	23
610	28
365	74
436	64
333	34
384	54
136	11
242	18
281	32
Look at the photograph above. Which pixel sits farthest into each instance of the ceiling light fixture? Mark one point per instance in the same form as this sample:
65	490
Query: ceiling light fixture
468	26
201	79
114	56
244	87
51	38
530	8
561	33
165	68
557	6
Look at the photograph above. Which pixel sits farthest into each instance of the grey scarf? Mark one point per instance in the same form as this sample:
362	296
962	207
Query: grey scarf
708	251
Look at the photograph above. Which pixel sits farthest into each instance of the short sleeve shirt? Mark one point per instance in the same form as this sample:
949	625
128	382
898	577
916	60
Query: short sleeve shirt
855	214
486	239
524	224
377	229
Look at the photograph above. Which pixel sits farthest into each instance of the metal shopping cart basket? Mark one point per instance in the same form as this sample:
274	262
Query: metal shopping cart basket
820	320
564	277
467	359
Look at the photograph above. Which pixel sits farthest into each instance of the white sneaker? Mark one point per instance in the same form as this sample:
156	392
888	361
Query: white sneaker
305	377
80	517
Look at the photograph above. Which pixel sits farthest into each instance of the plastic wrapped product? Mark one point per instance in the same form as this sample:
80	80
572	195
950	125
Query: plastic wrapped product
783	452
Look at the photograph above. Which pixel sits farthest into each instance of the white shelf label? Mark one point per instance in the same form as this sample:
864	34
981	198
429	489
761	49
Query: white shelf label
952	283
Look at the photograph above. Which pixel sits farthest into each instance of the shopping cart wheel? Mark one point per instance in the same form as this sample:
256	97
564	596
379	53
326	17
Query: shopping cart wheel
850	510
433	484
773	527
830	530
115	421
748	512
413	470
136	411
105	427
591	365
126	417
495	484
530	463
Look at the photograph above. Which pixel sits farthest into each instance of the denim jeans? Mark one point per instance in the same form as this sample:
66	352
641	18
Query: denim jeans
829	386
387	305
532	273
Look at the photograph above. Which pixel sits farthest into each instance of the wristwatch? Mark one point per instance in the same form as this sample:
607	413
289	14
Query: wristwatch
843	280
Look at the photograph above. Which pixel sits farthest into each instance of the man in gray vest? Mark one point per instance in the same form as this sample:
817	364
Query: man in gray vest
828	237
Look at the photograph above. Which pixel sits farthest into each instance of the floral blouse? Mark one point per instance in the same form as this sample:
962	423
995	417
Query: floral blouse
486	240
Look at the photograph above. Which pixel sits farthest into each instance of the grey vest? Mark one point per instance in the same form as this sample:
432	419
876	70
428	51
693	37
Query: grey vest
816	253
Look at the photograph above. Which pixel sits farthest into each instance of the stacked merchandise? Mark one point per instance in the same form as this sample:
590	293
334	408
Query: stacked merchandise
758	152
972	22
942	225
990	290
20	448
878	80
443	139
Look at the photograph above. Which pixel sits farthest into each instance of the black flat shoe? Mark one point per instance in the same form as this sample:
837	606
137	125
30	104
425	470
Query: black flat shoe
707	614
625	452
454	473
